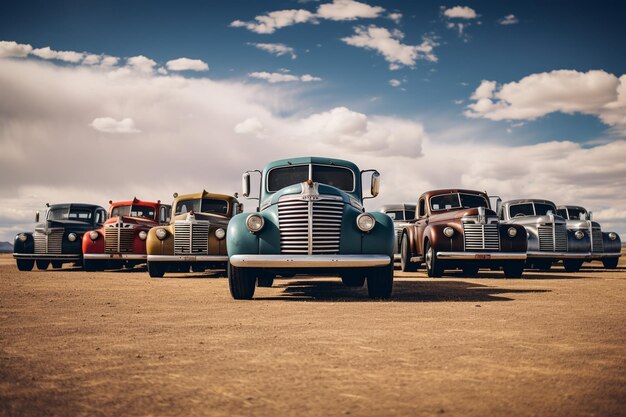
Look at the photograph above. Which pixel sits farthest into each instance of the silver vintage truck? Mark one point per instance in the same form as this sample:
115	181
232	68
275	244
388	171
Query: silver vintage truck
605	247
548	238
401	214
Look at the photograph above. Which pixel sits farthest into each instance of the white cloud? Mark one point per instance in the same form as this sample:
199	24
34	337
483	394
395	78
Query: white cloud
67	56
91	59
141	63
395	83
278	49
109	61
395	16
110	125
508	20
594	92
186	64
10	49
250	125
460	12
388	44
282	77
269	22
348	10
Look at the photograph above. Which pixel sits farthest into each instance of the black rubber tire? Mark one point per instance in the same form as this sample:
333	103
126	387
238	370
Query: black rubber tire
242	282
470	270
380	282
57	264
265	279
572	265
405	256
156	269
434	266
610	263
42	265
353	278
25	264
513	269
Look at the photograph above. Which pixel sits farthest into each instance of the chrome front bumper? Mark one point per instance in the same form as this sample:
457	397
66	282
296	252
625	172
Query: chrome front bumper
560	255
124	256
482	256
48	257
309	261
187	258
605	255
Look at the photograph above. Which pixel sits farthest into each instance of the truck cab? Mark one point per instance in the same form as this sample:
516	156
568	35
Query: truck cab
57	239
311	219
121	241
456	228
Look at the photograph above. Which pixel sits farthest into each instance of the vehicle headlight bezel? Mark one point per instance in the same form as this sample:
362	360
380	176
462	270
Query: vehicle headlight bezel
22	237
365	222
142	235
220	233
72	237
579	234
511	232
93	235
612	235
161	233
255	222
448	231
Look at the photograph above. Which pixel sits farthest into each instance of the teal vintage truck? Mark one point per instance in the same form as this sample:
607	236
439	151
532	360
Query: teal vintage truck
311	220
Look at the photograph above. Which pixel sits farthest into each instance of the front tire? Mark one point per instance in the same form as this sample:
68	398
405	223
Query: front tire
156	269
265	280
405	256
42	265
610	263
242	282
433	265
572	265
513	269
25	264
380	282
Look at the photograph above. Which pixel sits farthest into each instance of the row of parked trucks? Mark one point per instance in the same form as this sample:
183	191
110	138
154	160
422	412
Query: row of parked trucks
311	220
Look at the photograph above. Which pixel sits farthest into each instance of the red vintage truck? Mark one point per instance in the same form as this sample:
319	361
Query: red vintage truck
121	241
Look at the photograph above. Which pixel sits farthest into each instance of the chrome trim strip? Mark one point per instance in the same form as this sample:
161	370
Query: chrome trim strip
132	256
187	258
568	255
47	256
480	256
306	261
605	255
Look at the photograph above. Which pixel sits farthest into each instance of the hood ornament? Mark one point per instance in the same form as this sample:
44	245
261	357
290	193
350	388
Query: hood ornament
482	219
310	190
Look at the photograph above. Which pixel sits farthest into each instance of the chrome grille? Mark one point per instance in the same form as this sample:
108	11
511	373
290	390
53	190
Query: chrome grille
118	238
481	237
48	244
191	238
310	227
596	240
553	238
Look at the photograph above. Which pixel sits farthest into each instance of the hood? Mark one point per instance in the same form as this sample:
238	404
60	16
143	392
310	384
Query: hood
137	221
459	214
305	189
534	220
69	225
581	224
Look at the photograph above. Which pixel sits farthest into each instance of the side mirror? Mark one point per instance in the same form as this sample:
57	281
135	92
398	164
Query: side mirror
239	208
590	215
245	184
375	184
37	217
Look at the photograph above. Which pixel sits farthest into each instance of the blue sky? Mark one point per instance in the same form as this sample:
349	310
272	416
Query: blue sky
545	86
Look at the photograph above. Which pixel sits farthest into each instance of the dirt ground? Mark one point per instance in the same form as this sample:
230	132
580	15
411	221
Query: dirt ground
119	343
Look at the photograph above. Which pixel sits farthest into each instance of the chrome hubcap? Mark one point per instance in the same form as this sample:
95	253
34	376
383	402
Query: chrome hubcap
429	257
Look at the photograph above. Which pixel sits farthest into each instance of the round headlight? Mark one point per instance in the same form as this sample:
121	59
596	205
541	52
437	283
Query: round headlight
365	222
255	223
161	234
612	235
93	235
142	235
22	237
71	237
511	231
448	231
579	234
220	233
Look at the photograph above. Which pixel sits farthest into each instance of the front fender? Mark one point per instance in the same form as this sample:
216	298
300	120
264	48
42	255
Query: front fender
379	240
239	240
156	246
611	246
439	242
91	246
574	245
29	245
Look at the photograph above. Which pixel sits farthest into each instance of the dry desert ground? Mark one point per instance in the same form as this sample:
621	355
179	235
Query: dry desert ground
121	344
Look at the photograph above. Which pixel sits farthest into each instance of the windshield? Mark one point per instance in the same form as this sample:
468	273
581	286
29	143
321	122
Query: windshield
457	200
134	210
204	205
577	213
531	209
70	213
541	209
401	215
340	177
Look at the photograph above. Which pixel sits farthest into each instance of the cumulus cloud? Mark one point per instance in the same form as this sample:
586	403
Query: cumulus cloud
459	18
250	125
395	16
141	63
337	10
594	92
388	44
395	83
281	77
460	12
110	125
186	64
10	49
67	56
508	20
278	49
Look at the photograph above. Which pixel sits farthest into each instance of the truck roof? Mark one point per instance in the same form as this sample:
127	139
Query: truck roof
312	160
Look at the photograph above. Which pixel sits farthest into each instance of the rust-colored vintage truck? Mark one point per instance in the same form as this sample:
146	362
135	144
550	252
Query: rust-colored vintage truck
457	228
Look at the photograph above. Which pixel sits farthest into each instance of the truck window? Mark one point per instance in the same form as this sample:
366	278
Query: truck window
542	209
520	210
279	178
340	177
577	213
205	205
422	208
